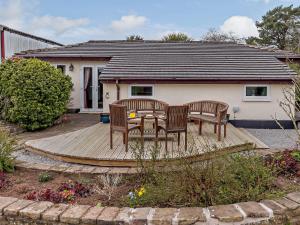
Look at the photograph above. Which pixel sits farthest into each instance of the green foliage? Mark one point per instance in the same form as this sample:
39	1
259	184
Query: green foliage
280	27
296	155
253	41
7	144
176	37
45	177
221	180
134	38
214	35
36	93
295	67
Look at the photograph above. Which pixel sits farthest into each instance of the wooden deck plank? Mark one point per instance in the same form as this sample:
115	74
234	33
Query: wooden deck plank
92	144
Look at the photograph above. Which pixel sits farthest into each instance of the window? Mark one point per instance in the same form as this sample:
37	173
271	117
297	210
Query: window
62	68
257	93
141	91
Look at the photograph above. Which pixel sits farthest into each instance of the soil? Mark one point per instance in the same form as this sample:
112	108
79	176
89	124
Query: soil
25	181
21	183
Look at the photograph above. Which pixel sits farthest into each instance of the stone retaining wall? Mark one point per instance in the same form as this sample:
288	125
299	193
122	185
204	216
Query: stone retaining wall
284	211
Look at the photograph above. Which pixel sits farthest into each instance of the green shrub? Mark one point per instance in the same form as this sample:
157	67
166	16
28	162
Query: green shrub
296	155
6	148
35	93
224	179
45	177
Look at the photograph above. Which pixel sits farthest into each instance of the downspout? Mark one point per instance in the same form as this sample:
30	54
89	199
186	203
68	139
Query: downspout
2	53
118	90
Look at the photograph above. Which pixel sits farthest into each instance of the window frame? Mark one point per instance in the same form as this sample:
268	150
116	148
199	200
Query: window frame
60	64
257	98
140	85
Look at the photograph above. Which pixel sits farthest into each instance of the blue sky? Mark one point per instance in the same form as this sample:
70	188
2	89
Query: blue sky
70	21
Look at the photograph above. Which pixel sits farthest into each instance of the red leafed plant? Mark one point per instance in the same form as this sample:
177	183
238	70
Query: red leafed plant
46	195
284	162
66	193
79	189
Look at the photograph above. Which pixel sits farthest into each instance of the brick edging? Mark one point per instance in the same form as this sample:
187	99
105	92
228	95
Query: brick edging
19	211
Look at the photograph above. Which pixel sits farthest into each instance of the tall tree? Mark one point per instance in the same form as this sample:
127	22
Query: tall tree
176	37
134	37
215	35
279	27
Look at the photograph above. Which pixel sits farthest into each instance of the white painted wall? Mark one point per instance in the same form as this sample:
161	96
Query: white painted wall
230	93
75	75
183	93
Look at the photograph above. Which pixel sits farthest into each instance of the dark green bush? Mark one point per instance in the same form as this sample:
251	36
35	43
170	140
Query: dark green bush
33	93
7	144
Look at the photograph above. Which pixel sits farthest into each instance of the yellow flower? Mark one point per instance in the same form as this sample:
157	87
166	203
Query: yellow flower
141	191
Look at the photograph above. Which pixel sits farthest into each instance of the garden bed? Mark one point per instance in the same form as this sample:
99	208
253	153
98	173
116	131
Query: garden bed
115	190
26	184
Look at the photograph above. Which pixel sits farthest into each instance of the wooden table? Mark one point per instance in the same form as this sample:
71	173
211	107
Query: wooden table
149	118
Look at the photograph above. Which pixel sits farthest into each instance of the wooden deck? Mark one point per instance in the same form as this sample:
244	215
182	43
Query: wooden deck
91	145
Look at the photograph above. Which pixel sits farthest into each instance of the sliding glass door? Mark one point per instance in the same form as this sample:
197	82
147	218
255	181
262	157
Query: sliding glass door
91	95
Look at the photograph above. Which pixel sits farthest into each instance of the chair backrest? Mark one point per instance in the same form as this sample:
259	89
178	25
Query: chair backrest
176	118
142	104
210	107
118	116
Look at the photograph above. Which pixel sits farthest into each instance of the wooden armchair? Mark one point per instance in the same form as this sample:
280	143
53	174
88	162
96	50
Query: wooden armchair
213	112
175	121
119	123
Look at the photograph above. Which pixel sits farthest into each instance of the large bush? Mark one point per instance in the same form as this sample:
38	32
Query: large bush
33	93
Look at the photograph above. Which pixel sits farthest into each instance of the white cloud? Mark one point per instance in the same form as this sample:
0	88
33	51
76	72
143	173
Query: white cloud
11	13
58	25
241	26
23	15
129	22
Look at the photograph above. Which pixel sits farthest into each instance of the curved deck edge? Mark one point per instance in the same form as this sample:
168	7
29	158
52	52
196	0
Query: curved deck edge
134	163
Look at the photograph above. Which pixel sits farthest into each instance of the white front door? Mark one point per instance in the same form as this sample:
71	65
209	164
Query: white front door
91	94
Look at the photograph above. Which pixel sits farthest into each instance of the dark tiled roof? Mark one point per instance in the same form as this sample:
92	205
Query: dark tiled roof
178	60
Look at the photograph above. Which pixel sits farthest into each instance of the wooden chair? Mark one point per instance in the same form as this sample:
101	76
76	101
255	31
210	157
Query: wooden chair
211	112
175	121
119	123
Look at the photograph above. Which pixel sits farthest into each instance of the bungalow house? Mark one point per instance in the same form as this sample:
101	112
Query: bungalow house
13	41
249	79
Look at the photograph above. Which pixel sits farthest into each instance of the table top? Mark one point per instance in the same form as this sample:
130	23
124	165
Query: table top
147	116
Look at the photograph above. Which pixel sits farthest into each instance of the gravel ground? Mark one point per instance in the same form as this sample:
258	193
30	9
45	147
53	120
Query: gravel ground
27	156
276	138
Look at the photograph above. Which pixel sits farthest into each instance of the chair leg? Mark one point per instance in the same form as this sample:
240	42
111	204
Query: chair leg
156	131
219	132
142	138
185	141
126	142
124	138
166	143
111	139
178	138
215	128
225	128
200	127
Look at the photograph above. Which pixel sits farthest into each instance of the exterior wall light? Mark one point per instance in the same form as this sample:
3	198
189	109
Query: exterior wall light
107	95
71	67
